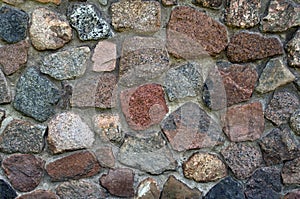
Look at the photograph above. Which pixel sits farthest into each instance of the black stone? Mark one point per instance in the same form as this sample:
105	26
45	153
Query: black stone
6	191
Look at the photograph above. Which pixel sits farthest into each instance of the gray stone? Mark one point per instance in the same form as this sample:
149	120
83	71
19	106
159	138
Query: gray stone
103	2
291	172
6	191
105	156
2	116
295	122
5	95
293	50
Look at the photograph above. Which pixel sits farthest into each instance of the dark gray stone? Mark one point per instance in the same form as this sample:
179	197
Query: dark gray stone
5	95
2	116
6	191
293	50
295	122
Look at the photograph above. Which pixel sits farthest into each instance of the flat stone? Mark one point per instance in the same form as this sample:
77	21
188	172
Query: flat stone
292	195
242	158
49	30
282	15
192	33
275	74
13	57
6	191
105	156
281	107
204	167
278	146
138	16
2	116
39	194
119	182
23	137
250	46
143	106
14	2
264	183
14	23
78	165
24	171
104	56
56	2
214	4
190	127
227	188
142	59
291	172
149	154
244	122
176	189
66	64
67	131
35	95
169	2
86	19
5	94
148	189
293	50
295	122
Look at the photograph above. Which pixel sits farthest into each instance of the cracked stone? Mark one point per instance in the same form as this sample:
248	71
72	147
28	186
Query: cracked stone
291	172
6	191
293	50
39	194
105	156
148	189
104	56
5	93
295	122
214	4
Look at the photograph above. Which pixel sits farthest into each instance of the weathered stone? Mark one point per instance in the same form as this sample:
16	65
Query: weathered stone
87	21
227	188
291	172
192	33
204	167
295	122
169	2
49	30
249	46
242	159
214	4
73	167
104	57
105	156
39	194
14	2
14	24
5	93
293	50
176	189
23	137
56	2
2	116
190	127
138	16
148	189
275	74
6	191
24	171
292	195
282	15
244	122
278	146
119	182
281	107
143	106
35	95
66	64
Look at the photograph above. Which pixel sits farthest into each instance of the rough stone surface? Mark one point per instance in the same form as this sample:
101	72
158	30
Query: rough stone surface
214	4
169	2
2	116
119	182
292	195
138	16
66	64
104	56
49	30
295	122
242	159
227	188
105	156
244	122
148	189
24	171
191	33
73	167
87	21
5	93
67	131
249	46
189	127
275	74
6	191
14	2
291	172
149	154
293	50
204	167
23	137
39	194
56	2
143	106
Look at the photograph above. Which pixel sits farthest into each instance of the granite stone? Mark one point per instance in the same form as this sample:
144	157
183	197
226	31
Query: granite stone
148	189
213	4
39	194
291	172
104	56
295	122
5	92
293	50
6	191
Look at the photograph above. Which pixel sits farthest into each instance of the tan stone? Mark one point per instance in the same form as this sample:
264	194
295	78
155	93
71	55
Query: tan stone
104	57
57	2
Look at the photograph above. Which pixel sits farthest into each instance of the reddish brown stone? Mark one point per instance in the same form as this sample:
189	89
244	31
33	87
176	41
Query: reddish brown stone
24	171
39	194
75	166
291	172
293	195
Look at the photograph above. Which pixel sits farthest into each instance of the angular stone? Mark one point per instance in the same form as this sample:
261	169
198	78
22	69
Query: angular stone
104	57
87	21
6	191
153	154
24	171
278	146
138	16
292	195
35	95
56	2
148	189
143	106
14	24
169	2
227	188
23	137
142	59
281	107
295	122
190	127
275	74
67	131
78	165
176	189
244	122
249	46
105	156
282	15
119	182
49	30
5	93
13	56
242	158
291	172
214	4
293	50
192	33
39	194
204	167
66	64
